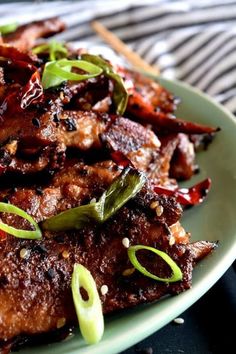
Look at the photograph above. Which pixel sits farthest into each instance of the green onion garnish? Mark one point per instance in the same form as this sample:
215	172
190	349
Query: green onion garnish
27	234
176	271
9	28
120	94
56	72
89	312
125	187
56	50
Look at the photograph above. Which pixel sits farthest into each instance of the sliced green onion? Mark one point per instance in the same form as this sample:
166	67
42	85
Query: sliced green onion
55	50
125	187
89	312
176	271
9	28
27	234
120	94
56	72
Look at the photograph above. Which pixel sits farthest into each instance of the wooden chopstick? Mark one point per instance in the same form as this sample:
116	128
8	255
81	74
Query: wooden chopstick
121	48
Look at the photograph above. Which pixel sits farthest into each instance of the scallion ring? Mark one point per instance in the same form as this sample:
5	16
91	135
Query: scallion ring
9	28
56	72
89	312
176	271
27	234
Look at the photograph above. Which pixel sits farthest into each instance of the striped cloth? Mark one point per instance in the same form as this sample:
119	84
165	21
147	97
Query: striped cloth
190	40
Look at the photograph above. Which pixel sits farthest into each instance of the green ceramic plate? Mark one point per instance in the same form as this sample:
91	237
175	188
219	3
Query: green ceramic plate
213	220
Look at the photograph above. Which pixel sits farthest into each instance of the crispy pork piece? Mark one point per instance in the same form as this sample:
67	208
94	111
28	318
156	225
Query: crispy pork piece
35	283
25	36
126	136
182	165
29	140
32	143
77	184
143	148
159	166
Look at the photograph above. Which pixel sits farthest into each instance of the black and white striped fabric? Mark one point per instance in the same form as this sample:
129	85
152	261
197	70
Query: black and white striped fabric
194	41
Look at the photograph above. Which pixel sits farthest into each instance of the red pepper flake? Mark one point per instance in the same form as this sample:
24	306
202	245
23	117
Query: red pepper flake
187	196
3	235
120	159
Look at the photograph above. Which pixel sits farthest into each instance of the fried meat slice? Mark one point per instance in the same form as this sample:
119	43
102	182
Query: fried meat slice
182	165
35	290
25	36
32	143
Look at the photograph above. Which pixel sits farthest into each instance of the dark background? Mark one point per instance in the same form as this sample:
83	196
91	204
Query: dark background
209	325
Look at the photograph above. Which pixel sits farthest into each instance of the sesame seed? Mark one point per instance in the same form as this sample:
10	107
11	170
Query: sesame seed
24	253
125	242
159	210
65	254
172	241
179	320
128	272
104	289
154	204
61	322
93	200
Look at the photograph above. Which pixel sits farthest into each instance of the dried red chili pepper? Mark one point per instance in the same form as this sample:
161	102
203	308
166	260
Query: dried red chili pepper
13	53
187	196
3	235
120	159
145	112
32	92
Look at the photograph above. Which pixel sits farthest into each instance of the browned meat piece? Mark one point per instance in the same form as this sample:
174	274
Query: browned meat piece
77	184
200	249
139	144
182	165
25	36
158	168
151	91
26	141
93	94
142	147
34	143
127	136
37	288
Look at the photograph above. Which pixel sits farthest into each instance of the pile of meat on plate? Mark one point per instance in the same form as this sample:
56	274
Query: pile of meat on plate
63	146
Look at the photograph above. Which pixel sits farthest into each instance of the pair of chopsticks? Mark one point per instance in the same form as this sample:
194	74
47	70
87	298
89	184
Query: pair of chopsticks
121	48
